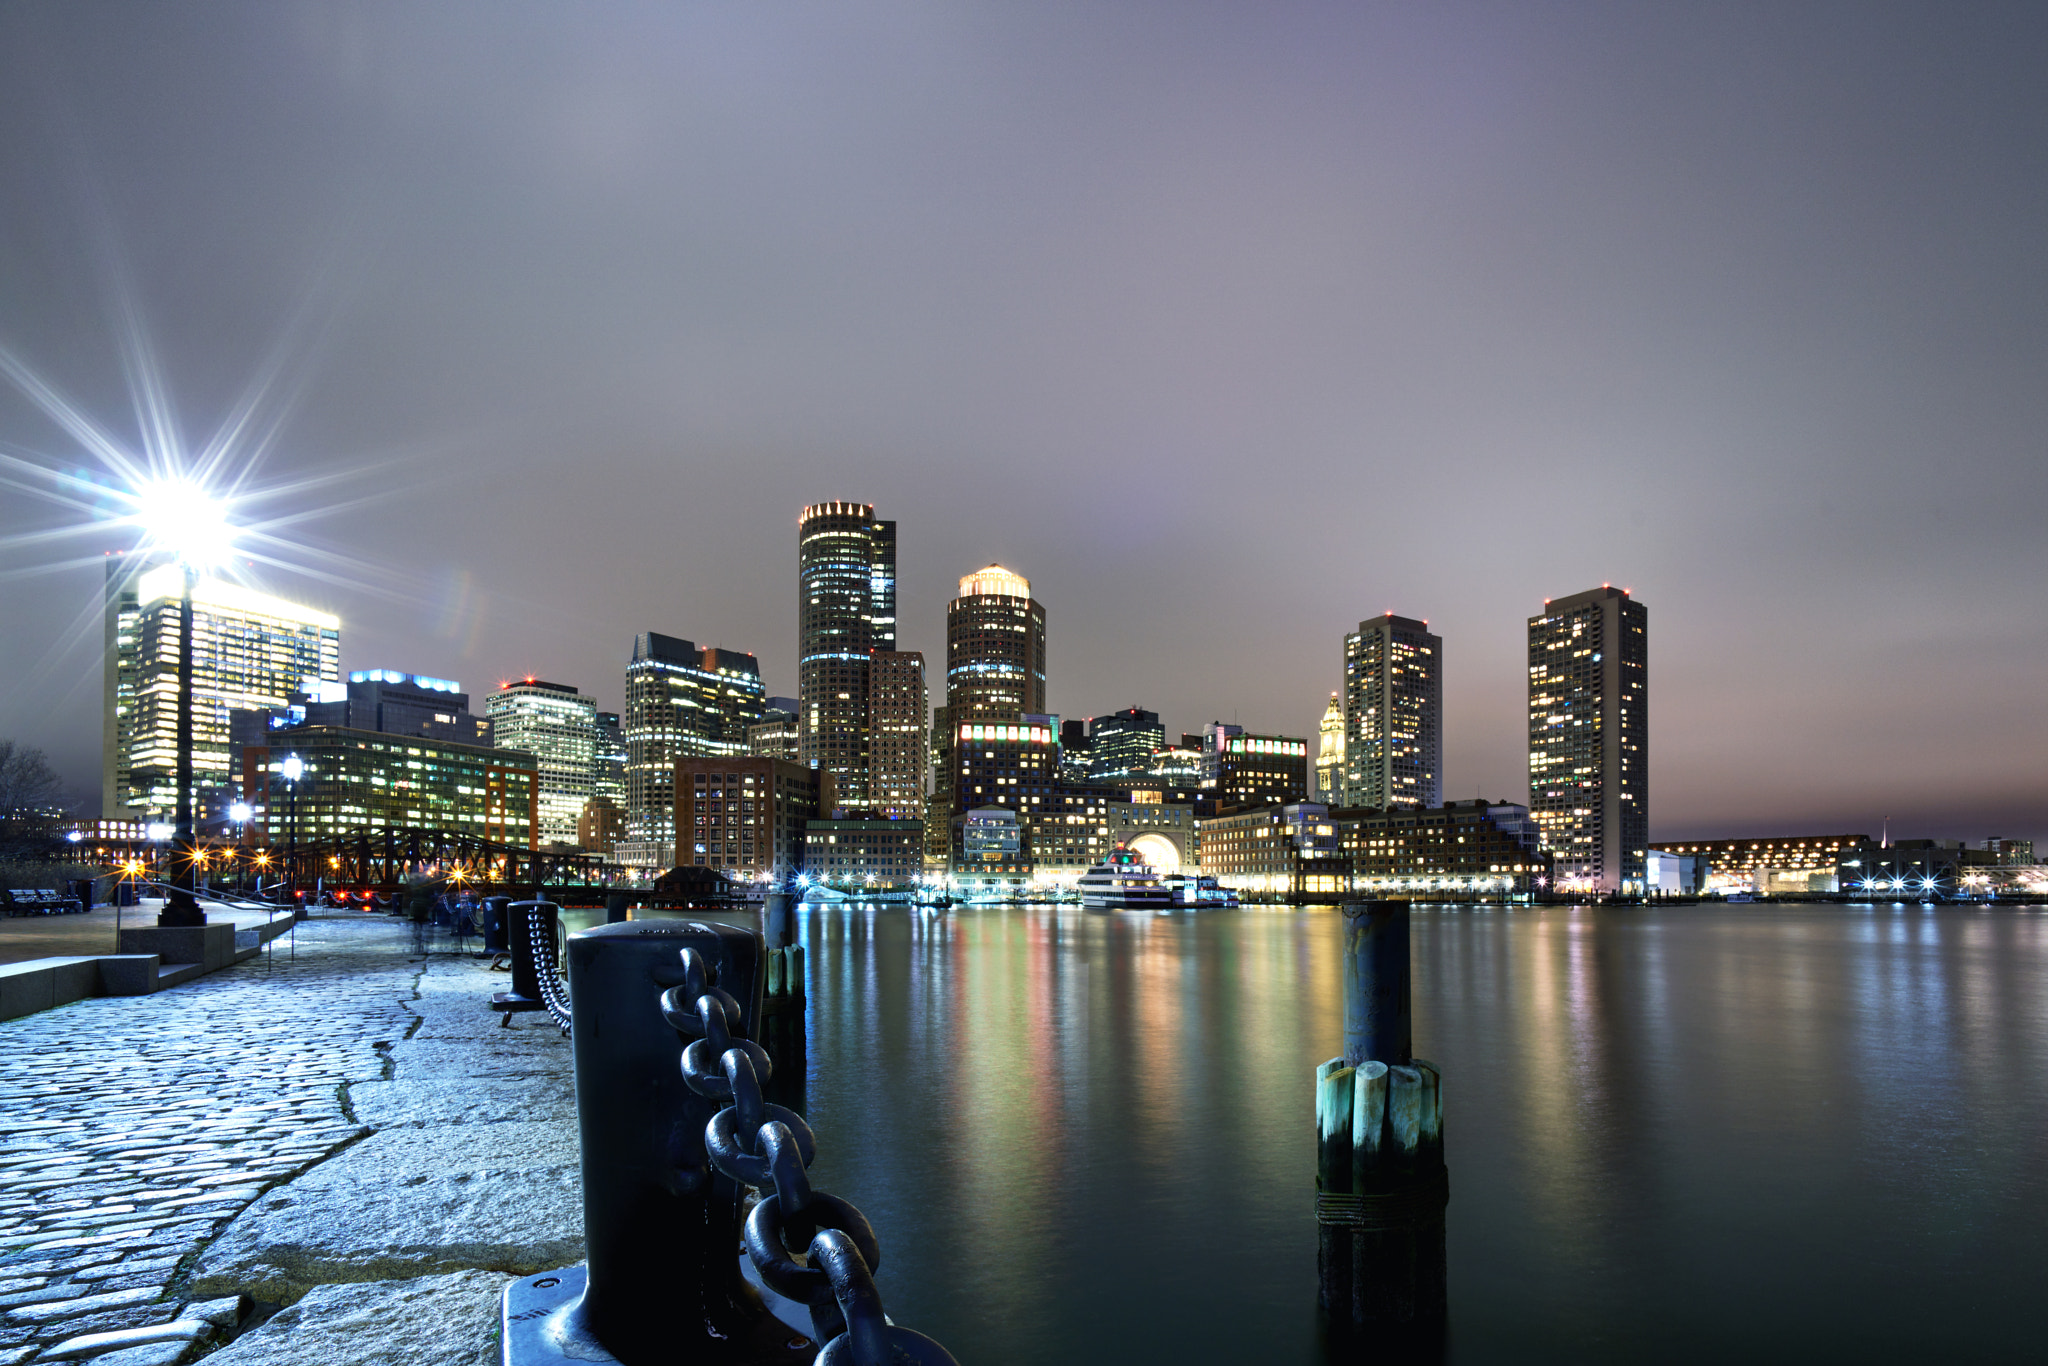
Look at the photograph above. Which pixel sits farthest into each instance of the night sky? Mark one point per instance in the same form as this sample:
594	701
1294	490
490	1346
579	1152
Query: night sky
1227	325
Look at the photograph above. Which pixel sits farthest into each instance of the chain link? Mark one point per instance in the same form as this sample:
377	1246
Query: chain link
770	1148
547	964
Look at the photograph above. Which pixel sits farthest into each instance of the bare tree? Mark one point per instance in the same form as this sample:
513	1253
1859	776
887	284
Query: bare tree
28	799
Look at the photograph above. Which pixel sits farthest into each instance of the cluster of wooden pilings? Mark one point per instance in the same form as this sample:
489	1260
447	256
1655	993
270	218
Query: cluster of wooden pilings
1381	1184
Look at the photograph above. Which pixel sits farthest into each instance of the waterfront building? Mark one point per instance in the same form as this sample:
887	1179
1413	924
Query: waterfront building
897	752
1666	874
358	782
250	651
1330	753
1470	847
1121	744
988	853
1393	714
870	854
1917	870
1261	770
846	611
1589	712
1161	833
1769	864
1068	828
557	725
682	702
747	816
1277	850
2010	853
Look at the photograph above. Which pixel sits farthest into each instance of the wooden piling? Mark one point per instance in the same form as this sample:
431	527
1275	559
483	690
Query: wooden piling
1380	1229
1334	1106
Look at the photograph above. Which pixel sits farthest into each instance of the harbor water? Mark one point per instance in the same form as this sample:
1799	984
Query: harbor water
1687	1134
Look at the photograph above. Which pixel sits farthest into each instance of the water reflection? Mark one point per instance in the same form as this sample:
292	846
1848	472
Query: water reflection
1673	1135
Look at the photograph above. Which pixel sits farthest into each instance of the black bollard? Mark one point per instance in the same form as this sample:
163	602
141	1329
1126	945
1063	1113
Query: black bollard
494	923
662	1230
614	908
526	993
1381	1183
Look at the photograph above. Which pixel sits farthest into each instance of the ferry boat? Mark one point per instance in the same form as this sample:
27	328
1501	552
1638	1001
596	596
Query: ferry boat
1124	882
1199	892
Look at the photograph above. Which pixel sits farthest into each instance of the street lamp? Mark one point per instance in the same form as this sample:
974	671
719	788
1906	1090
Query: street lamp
179	516
291	770
239	813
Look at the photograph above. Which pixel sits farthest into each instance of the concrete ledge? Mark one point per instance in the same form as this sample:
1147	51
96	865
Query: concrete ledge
44	983
129	974
212	945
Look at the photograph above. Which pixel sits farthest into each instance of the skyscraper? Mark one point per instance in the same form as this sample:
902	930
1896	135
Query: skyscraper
1589	711
1393	714
995	648
249	650
995	671
846	610
1330	754
681	702
558	726
897	701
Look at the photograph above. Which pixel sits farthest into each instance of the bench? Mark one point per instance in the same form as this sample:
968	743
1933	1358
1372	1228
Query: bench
39	901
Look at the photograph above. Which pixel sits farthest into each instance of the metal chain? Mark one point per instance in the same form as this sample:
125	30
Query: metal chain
547	967
768	1148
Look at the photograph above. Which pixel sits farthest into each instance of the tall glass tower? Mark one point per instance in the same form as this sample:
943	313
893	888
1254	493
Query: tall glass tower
249	651
1589	738
846	611
1393	714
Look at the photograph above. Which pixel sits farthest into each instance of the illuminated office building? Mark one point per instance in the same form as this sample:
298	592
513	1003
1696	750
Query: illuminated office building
1261	770
357	782
557	725
897	703
846	610
1121	745
1393	714
1330	754
1589	710
775	736
995	648
682	702
995	671
250	651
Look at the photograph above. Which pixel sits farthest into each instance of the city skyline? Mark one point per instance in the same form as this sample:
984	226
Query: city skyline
1144	322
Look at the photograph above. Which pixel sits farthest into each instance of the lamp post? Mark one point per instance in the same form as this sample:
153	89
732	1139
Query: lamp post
292	769
239	813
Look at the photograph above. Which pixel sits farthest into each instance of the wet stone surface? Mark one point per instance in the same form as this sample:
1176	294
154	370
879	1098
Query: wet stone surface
352	1117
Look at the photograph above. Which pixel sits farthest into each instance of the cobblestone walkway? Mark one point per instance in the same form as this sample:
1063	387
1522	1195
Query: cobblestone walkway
136	1127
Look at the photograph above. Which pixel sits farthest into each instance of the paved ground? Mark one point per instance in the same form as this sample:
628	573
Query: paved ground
63	936
349	1134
